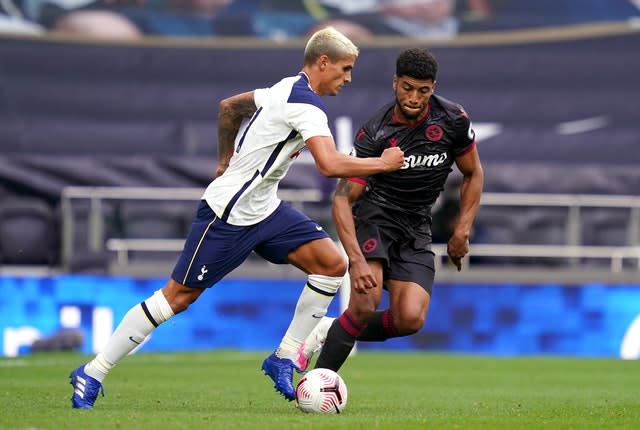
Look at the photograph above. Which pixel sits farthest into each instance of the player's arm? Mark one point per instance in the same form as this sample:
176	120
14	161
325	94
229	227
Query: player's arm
231	112
332	163
347	192
470	192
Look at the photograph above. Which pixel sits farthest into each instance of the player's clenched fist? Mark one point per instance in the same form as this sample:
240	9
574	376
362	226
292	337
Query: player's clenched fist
393	157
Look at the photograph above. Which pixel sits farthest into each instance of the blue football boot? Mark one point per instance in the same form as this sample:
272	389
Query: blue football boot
85	389
280	370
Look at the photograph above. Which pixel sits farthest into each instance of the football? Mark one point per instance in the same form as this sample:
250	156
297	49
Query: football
321	391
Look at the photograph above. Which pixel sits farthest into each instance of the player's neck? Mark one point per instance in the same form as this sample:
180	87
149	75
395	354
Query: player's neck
311	78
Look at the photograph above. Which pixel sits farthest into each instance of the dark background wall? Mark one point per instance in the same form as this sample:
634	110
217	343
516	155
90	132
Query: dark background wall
552	116
96	114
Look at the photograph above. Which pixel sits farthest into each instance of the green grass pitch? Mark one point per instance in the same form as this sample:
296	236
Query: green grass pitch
227	390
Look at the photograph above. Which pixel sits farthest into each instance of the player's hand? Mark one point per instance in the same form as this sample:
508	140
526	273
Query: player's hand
457	248
457	261
393	158
362	279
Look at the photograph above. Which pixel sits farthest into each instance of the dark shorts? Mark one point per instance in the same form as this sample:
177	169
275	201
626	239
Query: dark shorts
214	248
404	250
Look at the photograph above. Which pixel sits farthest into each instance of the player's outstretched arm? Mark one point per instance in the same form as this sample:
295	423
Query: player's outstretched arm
335	164
347	192
470	192
231	112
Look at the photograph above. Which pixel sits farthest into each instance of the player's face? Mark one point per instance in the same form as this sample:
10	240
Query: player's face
412	96
335	75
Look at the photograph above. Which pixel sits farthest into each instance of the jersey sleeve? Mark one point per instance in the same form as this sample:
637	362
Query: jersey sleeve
465	136
364	146
259	95
308	120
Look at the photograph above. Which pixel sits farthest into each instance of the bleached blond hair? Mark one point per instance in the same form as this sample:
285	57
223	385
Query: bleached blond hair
330	42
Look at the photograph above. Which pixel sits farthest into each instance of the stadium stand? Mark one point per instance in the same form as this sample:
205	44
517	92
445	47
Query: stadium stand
83	114
611	227
28	232
106	145
141	220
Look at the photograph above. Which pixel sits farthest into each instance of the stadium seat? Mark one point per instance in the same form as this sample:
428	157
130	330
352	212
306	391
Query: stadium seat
606	227
155	220
28	233
496	225
81	215
544	226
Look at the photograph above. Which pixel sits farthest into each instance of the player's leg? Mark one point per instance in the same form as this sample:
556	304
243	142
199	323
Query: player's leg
139	322
409	303
314	342
298	240
411	276
325	268
408	306
347	327
210	252
133	329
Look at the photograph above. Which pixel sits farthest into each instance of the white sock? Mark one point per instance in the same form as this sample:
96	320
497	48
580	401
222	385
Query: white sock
317	337
136	325
311	307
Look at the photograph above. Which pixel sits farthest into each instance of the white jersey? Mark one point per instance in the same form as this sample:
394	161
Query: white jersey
288	114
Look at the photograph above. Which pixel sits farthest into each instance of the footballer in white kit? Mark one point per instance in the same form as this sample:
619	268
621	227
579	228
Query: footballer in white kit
242	211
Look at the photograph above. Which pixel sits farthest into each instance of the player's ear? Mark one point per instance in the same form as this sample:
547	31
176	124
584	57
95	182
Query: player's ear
395	83
322	62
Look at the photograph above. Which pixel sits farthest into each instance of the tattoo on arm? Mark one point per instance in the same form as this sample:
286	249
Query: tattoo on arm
243	105
232	112
344	187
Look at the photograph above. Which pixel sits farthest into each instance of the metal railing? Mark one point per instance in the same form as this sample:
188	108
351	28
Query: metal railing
574	203
616	255
98	195
572	249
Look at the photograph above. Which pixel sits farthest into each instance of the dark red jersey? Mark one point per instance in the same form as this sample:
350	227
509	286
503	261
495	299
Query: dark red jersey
430	148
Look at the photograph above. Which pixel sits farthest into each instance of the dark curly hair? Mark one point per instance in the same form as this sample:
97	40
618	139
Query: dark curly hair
417	63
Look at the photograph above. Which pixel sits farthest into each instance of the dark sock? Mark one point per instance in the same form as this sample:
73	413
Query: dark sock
379	328
340	340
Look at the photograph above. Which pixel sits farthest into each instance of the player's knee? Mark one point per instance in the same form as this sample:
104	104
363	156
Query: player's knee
320	257
362	311
410	324
337	268
179	296
181	303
